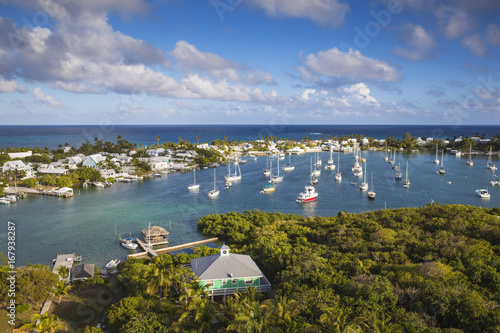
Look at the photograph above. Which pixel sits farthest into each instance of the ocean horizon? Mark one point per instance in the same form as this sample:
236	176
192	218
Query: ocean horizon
51	136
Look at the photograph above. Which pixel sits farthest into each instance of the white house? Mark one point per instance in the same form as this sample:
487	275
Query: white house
52	170
77	159
20	166
93	160
155	152
108	173
159	163
20	154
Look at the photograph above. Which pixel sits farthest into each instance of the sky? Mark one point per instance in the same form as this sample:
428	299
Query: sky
68	62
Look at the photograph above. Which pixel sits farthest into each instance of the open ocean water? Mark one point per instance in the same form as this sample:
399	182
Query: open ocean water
85	224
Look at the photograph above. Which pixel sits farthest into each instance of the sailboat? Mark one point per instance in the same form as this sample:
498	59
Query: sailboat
357	168
371	193
490	164
267	172
318	160
215	192
277	178
407	180
237	172
364	185
269	187
194	186
288	166
391	161
338	175
442	170
399	175
312	178
316	172
494	182
330	165
436	161
469	161
386	158
394	166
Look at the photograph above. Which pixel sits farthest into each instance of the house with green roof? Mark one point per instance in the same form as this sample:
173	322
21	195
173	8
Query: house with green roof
227	273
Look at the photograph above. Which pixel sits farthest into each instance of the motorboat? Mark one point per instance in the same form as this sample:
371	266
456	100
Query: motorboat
483	194
308	195
228	185
112	264
78	259
128	243
4	201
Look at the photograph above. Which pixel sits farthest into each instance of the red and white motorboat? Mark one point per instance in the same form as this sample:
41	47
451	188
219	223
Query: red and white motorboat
308	195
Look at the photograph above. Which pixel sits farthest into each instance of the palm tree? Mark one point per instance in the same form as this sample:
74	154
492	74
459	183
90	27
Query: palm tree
200	315
282	311
63	272
61	289
159	278
46	323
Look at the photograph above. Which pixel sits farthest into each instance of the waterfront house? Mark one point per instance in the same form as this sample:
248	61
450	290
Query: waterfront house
82	272
93	160
77	159
51	169
155	152
108	173
19	166
66	149
227	273
159	162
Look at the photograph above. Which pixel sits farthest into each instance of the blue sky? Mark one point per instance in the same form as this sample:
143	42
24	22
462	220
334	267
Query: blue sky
249	62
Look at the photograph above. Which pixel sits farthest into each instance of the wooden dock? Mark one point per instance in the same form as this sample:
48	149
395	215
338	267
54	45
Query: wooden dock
149	252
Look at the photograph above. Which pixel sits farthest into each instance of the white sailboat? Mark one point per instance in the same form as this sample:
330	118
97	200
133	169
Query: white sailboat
391	161
494	181
490	164
398	174
269	187
329	165
267	172
215	192
194	186
394	166
436	161
237	172
469	161
318	160
364	185
407	179
371	193
316	172
338	175
288	166
312	178
386	158
277	178
442	171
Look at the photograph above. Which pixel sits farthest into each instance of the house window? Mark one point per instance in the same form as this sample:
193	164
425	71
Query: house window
209	283
224	282
233	281
249	280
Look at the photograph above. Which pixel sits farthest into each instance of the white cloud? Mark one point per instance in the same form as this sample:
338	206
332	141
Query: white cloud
305	94
10	86
345	67
323	12
419	43
476	45
46	99
455	21
493	34
190	58
361	93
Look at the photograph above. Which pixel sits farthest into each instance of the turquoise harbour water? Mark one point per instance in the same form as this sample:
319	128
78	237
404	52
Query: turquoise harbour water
85	224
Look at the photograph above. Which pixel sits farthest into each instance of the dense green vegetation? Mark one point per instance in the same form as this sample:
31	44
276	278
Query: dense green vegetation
415	269
429	269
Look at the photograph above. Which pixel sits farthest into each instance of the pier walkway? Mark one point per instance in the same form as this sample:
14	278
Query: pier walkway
149	252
